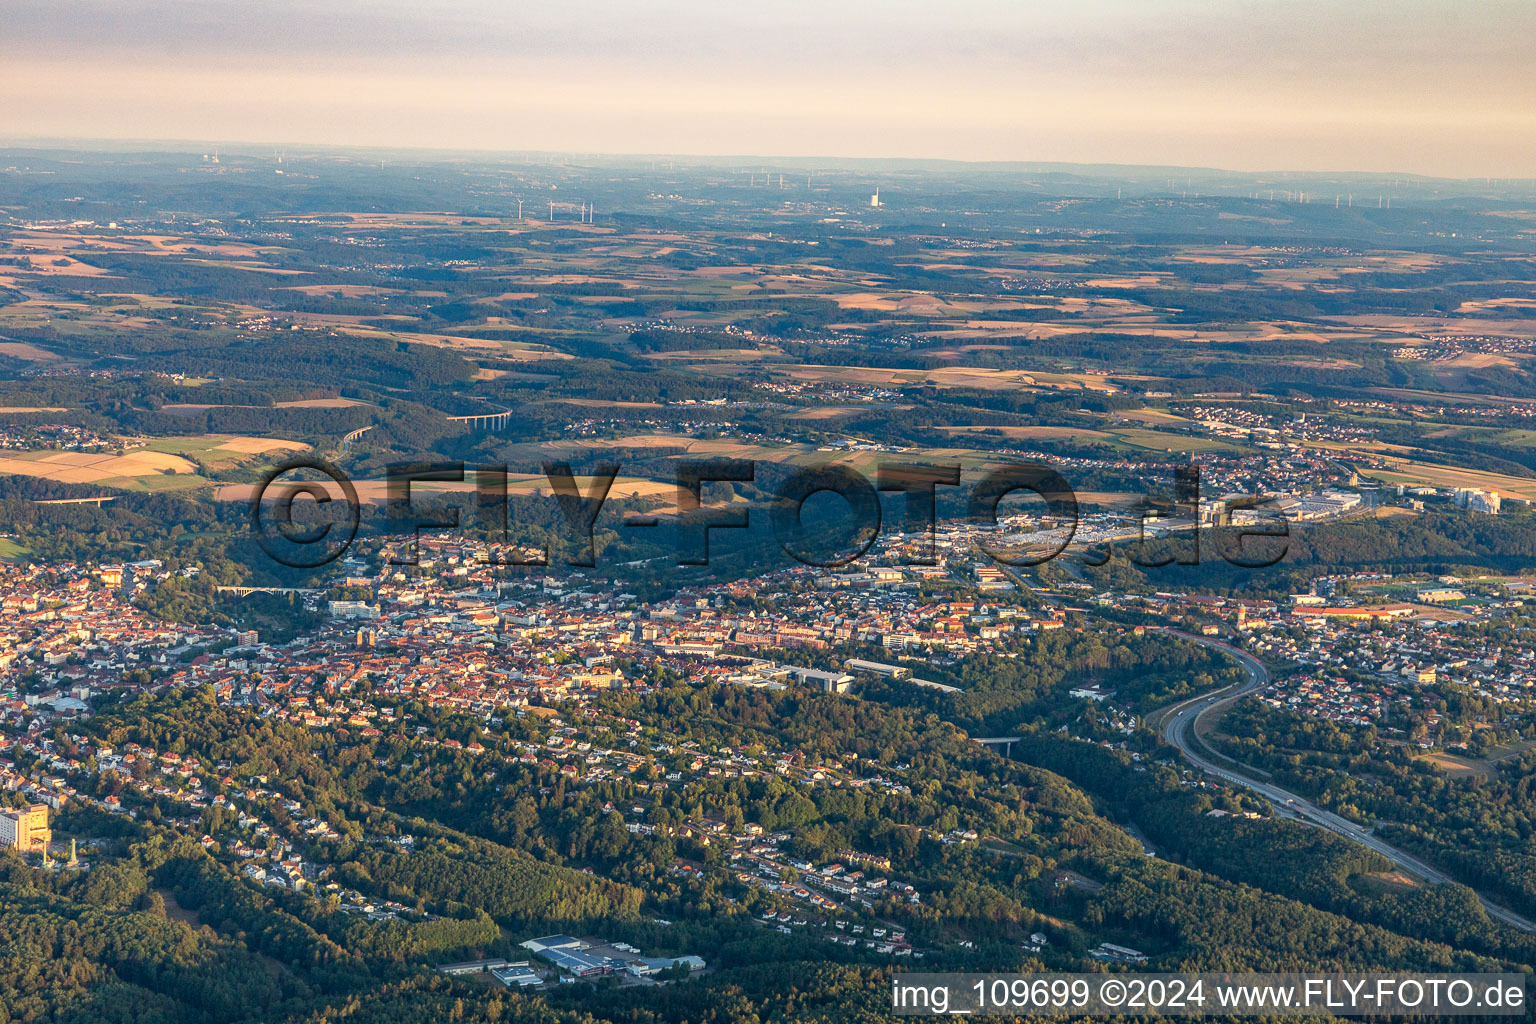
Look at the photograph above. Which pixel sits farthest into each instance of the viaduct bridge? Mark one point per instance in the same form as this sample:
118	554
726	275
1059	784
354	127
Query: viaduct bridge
485	420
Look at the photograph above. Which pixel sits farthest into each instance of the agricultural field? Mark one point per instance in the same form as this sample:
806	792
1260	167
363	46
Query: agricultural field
699	313
134	468
150	464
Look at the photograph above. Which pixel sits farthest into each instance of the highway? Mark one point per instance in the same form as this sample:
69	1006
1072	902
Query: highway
1178	730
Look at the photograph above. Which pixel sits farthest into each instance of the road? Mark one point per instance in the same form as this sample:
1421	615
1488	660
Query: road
1178	730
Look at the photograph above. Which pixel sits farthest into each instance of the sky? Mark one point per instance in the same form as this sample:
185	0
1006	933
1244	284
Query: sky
1444	87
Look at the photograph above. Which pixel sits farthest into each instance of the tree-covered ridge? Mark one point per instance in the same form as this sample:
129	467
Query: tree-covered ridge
1479	825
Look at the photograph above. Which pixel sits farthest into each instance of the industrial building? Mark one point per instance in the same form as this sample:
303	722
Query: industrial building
472	967
517	975
878	668
831	682
580	958
569	955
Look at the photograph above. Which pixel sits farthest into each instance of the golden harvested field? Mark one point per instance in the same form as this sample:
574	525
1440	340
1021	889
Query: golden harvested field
833	412
983	378
31	353
1158	441
1141	281
258	445
1153	417
68	458
1406	467
219	451
1392	882
617	284
1481	360
257	268
975	377
1108	497
90	468
1483	305
1457	767
1415	395
66	266
181	246
517	350
244	492
1075	381
923	302
629	441
1439	325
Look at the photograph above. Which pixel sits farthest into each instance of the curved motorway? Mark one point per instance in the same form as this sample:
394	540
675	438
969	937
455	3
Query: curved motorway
1178	730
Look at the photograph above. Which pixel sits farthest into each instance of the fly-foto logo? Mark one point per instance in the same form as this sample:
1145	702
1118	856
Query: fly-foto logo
321	539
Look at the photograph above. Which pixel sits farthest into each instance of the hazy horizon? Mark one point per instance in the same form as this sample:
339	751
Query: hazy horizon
260	149
1423	86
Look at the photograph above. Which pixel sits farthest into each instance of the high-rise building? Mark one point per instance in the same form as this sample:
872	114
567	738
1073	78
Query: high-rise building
26	829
